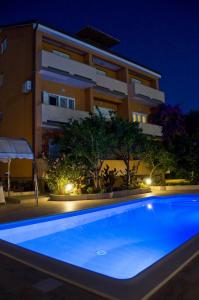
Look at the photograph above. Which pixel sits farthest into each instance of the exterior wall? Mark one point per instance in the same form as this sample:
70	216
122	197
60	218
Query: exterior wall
107	101
139	107
125	73
106	98
109	73
23	112
105	104
16	64
50	47
119	165
144	80
64	90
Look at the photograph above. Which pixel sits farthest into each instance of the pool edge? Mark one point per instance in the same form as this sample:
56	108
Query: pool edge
142	286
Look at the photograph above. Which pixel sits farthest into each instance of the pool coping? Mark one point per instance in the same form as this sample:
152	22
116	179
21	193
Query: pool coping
142	286
99	196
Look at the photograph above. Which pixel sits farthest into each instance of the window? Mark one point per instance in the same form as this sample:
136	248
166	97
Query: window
71	103
1	79
139	117
57	100
63	102
62	54
4	45
144	119
53	100
134	117
53	148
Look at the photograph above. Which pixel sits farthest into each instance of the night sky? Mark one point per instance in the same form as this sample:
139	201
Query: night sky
163	35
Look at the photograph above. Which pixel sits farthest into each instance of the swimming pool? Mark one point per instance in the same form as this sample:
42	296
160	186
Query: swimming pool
117	241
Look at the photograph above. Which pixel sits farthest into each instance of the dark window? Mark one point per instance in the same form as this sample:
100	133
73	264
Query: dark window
71	103
3	45
64	102
53	100
1	79
53	148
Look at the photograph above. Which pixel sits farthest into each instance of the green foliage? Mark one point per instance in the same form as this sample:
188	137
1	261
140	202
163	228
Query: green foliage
157	158
172	121
133	180
62	171
89	142
129	144
191	147
181	139
108	178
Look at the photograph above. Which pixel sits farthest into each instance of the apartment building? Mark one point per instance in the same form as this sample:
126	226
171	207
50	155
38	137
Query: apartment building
48	77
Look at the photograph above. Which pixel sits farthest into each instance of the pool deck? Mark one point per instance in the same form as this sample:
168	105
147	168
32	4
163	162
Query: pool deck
19	281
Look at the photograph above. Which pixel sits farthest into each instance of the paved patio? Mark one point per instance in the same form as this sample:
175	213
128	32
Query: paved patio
22	282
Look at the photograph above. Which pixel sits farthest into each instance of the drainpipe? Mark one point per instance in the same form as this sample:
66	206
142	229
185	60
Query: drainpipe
34	166
8	177
35	27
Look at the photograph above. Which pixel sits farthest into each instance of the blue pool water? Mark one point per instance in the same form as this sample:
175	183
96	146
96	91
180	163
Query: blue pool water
117	241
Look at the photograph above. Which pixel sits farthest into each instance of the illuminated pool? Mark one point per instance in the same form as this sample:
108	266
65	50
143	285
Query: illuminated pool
118	241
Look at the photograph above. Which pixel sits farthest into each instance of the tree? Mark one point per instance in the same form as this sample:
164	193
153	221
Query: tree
172	121
88	141
191	146
109	178
185	148
62	171
157	158
129	142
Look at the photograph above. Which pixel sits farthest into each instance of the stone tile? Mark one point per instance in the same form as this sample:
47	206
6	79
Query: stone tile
47	285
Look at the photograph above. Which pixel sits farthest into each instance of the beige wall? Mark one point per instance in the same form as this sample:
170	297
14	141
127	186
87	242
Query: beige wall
16	64
120	166
139	107
64	90
50	47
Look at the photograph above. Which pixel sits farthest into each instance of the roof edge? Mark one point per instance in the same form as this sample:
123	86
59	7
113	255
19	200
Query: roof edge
78	40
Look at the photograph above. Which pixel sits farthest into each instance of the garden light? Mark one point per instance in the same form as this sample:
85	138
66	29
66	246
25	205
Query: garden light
69	187
148	181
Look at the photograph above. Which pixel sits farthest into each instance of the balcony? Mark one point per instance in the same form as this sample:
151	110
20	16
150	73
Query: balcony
114	86
68	71
54	116
74	73
147	94
151	129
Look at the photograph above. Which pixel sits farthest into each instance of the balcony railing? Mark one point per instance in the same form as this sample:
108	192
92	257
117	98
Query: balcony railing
55	115
112	84
74	68
61	68
151	129
147	93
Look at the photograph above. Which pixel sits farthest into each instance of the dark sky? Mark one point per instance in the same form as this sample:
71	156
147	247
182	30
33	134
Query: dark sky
163	35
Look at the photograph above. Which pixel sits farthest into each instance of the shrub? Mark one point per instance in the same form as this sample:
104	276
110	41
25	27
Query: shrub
61	172
108	178
133	183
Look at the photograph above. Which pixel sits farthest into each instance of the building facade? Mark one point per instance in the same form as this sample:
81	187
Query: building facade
48	77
